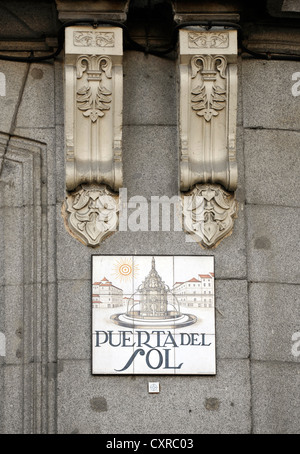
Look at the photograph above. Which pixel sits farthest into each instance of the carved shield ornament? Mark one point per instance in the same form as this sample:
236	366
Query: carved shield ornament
91	214
208	214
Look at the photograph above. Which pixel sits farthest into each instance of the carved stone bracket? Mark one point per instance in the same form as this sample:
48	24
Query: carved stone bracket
93	126
208	105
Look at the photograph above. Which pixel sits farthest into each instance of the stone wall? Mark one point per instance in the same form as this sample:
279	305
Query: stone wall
45	309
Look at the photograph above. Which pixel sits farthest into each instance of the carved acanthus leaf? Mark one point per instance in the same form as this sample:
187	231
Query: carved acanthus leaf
92	104
92	97
209	98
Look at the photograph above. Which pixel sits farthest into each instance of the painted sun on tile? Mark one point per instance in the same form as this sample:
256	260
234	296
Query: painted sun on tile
153	315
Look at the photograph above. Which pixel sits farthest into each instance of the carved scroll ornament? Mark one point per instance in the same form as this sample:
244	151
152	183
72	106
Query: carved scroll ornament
216	40
208	104
93	128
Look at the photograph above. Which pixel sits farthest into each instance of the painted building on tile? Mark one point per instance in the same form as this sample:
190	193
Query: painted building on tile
105	294
196	292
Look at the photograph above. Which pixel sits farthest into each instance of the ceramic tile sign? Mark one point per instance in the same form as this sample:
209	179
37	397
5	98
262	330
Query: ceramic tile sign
153	315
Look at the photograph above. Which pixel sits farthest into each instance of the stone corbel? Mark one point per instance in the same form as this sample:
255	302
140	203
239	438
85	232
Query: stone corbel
93	131
208	106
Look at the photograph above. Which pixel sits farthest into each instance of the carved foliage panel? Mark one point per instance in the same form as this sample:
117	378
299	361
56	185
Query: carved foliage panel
208	86
93	106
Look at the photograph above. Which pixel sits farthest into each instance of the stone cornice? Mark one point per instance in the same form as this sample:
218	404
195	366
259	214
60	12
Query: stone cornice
104	10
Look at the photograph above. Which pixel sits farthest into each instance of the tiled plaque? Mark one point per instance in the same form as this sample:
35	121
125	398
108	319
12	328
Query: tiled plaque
153	315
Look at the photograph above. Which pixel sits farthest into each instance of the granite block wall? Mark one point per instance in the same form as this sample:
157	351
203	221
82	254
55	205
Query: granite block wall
45	274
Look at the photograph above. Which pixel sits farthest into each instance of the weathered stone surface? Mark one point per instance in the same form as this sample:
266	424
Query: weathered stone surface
184	402
74	337
12	229
59	90
23	16
273	249
36	251
150	161
14	76
149	90
232	325
273	321
45	138
60	164
218	210
272	160
267	94
230	256
37	106
2	413
275	398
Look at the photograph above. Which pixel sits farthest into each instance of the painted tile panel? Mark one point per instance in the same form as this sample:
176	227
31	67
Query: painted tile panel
153	315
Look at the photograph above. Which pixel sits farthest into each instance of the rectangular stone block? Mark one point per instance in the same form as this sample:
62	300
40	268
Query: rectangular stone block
150	160
274	321
46	139
269	99
232	325
272	166
24	16
149	90
12	230
74	339
273	246
37	106
50	319
89	404
12	80
13	400
14	328
275	398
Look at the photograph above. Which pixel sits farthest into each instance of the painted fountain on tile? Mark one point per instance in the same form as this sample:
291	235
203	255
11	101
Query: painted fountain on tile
152	315
153	305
